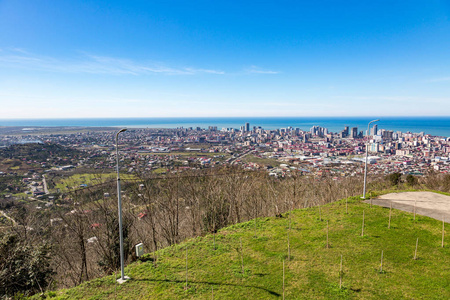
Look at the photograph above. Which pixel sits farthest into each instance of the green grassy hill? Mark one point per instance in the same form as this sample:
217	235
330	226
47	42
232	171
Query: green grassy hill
313	271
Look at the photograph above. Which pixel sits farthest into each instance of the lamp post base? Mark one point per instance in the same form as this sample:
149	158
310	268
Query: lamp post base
120	280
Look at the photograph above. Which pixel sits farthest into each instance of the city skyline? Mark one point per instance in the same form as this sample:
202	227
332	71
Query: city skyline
202	59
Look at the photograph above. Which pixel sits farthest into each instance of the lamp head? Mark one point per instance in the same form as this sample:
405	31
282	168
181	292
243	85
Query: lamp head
122	130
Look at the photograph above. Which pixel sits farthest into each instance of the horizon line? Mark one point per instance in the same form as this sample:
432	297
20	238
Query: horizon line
228	117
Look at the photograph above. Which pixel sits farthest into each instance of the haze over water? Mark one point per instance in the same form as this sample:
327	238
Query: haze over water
438	126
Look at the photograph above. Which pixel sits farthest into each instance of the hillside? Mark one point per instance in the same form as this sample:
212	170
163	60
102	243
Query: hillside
313	271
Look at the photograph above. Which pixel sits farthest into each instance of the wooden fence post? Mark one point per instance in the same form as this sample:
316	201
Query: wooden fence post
242	256
390	213
381	265
415	252
186	287
328	245
283	279
362	230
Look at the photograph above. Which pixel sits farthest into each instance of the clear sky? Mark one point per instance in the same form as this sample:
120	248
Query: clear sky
166	58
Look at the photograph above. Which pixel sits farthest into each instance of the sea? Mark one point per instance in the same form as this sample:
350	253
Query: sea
436	126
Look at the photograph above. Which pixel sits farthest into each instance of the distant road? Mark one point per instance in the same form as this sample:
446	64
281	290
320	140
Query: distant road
232	160
44	182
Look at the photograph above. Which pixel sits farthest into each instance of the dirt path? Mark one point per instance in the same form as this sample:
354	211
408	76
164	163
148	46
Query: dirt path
8	217
428	204
44	182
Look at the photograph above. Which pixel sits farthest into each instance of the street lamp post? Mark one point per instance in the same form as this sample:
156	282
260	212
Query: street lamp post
123	278
367	153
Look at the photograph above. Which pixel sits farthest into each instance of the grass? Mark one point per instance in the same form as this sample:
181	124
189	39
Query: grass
160	171
261	161
312	272
74	181
188	154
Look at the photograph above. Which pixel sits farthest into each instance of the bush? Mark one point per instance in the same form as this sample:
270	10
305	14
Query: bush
24	268
394	178
411	180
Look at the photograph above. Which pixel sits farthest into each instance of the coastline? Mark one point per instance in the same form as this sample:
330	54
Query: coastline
436	126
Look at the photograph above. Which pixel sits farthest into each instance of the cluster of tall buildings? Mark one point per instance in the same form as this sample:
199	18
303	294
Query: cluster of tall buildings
346	133
246	127
319	131
351	133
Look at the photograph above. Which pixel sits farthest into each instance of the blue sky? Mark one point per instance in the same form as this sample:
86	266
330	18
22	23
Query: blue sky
224	58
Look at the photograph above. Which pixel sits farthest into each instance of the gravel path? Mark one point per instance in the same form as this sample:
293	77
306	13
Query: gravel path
428	204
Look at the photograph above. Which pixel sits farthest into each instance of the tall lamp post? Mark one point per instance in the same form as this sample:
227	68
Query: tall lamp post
367	153
122	278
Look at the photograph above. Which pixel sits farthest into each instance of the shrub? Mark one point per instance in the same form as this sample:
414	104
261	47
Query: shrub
24	268
411	180
394	178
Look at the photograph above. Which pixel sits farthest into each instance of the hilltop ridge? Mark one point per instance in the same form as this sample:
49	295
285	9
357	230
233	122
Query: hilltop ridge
218	266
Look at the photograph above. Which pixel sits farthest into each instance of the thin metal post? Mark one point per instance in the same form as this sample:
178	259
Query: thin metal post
367	153
119	202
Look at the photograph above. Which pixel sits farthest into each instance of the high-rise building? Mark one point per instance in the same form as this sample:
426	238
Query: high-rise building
374	147
247	127
374	130
345	131
354	132
388	135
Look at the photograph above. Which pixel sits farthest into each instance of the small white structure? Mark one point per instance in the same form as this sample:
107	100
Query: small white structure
55	220
92	240
139	249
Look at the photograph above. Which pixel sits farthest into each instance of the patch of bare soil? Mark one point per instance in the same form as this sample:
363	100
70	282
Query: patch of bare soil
428	204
